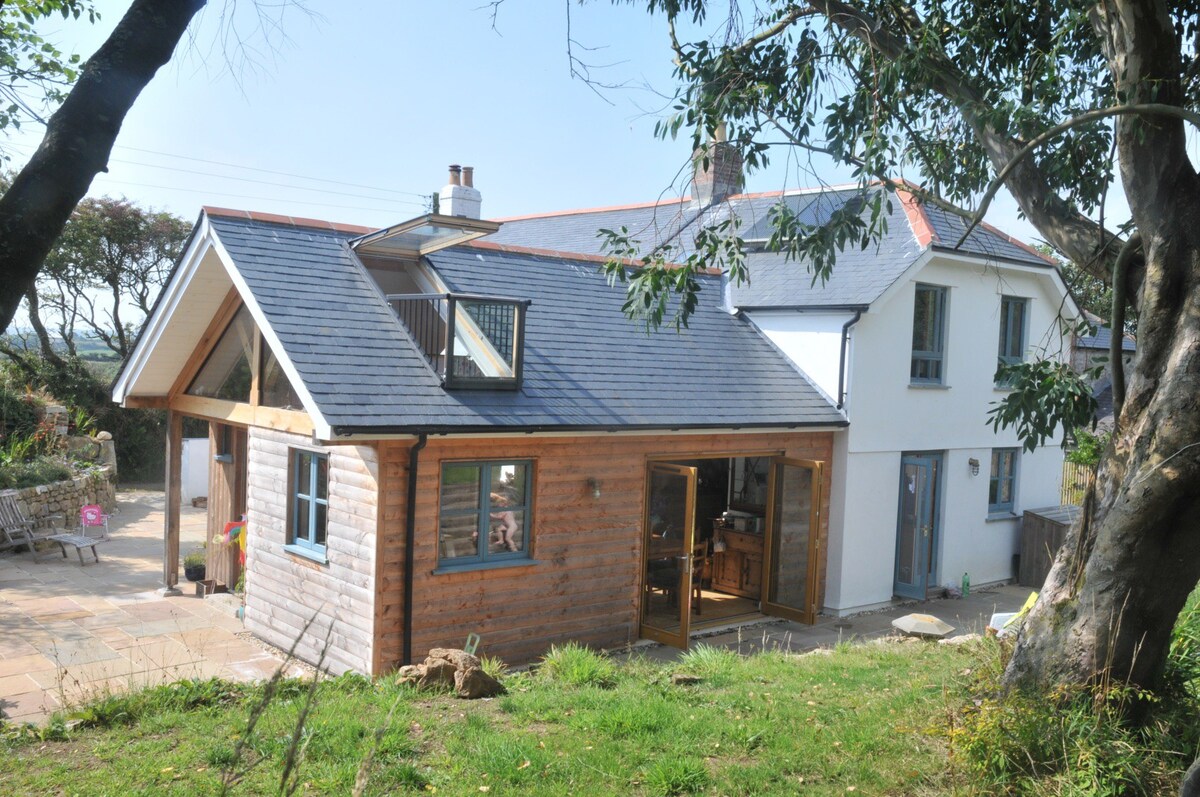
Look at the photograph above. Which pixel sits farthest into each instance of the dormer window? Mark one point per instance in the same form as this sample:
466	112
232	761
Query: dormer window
470	341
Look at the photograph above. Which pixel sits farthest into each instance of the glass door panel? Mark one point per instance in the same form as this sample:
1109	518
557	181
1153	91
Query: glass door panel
916	525
667	571
793	546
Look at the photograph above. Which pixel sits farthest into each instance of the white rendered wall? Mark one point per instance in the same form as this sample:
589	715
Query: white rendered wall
889	417
193	470
812	340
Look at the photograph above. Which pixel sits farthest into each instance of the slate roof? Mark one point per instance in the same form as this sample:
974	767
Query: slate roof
586	365
1102	339
859	276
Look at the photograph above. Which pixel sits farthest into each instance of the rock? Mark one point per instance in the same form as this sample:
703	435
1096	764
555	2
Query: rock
961	639
459	658
473	683
103	436
437	673
409	674
683	679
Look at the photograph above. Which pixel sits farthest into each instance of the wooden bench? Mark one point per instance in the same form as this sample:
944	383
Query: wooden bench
78	542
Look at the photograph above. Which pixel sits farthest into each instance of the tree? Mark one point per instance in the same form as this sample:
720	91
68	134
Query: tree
80	135
111	260
1050	100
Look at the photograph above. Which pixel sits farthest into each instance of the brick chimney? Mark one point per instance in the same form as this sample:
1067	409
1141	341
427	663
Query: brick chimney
460	197
723	176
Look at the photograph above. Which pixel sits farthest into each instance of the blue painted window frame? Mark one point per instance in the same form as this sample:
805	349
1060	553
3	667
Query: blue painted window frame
928	363
1014	318
1003	472
313	494
482	512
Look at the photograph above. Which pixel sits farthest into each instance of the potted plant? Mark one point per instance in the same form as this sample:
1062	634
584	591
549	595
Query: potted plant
193	565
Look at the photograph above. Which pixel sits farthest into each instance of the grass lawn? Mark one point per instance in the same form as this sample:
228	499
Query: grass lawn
866	719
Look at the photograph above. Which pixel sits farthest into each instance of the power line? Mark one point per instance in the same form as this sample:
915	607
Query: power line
246	196
268	182
271	171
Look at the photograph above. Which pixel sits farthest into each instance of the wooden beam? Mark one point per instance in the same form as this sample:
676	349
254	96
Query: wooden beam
174	488
235	412
145	402
256	369
229	307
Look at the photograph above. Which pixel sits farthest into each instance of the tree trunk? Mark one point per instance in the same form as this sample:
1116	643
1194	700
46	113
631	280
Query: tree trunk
1126	569
79	139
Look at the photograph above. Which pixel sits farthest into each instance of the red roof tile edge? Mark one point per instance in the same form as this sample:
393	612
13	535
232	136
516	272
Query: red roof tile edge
295	221
918	220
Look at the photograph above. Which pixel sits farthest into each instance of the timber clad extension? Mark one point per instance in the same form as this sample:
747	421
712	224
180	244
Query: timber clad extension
583	580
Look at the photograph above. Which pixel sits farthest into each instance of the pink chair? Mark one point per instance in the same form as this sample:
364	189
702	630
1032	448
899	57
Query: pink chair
93	516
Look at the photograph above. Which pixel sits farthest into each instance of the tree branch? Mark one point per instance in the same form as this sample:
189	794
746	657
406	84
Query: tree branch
1116	332
79	139
1150	109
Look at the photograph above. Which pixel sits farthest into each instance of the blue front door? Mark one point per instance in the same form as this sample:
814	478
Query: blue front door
916	527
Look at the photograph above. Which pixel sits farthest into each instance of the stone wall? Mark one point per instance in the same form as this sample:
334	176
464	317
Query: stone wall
42	502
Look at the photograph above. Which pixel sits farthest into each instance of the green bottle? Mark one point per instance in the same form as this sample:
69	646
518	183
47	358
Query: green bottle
966	585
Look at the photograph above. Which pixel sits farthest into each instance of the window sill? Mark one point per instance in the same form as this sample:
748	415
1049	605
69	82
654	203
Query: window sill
928	386
307	553
996	517
444	570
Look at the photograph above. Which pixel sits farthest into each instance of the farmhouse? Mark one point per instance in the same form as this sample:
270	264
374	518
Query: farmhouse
448	427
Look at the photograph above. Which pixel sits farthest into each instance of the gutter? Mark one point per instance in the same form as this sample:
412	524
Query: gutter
410	538
841	394
343	433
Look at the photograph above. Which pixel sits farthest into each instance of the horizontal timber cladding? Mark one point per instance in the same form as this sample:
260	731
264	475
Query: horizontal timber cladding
285	591
587	551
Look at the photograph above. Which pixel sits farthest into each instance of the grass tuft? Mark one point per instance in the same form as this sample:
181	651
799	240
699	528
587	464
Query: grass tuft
575	665
717	666
677	776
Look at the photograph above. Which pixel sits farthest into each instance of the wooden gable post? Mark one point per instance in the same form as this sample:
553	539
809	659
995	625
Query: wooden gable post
174	488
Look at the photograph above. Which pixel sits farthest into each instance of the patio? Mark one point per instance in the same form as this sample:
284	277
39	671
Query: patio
69	632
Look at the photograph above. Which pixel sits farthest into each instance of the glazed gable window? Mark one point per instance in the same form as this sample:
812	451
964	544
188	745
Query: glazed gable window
485	509
309	502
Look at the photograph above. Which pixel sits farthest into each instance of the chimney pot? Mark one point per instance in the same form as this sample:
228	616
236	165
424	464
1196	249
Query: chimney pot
460	197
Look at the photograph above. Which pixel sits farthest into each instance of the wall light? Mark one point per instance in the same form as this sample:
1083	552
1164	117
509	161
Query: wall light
594	485
973	464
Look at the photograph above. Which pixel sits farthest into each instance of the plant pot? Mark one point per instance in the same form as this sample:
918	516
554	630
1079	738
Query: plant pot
193	572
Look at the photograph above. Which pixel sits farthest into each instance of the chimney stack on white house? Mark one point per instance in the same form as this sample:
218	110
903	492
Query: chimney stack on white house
723	177
460	197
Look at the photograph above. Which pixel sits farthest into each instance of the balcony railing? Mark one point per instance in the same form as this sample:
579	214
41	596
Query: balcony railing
470	341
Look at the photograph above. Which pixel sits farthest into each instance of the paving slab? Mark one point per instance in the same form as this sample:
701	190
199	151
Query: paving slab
69	633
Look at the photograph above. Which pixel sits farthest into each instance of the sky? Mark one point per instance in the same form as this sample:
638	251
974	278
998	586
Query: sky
352	111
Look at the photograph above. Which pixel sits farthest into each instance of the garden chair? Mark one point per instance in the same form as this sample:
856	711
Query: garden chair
17	530
93	516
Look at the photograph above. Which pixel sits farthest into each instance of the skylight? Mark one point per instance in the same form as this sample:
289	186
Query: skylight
423	235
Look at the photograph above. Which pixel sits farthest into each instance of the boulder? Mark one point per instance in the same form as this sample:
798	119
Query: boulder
459	658
474	683
448	668
437	673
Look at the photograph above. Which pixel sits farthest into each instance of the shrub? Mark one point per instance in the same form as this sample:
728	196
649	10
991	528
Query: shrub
576	665
1079	742
18	411
42	470
1088	447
